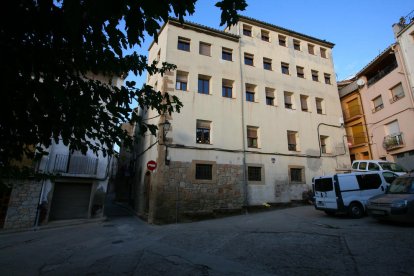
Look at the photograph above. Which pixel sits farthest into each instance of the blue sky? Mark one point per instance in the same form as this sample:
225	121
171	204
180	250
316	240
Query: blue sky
360	29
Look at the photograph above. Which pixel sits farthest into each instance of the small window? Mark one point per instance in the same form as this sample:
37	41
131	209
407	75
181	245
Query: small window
304	102
265	35
203	84
254	173
323	52
267	64
300	72
183	44
205	49
285	68
369	181
270	96
327	78
288	97
250	92
311	49
181	81
204	171
320	106
355	165
292	137
248	59
252	137
227	88
378	104
323	184
315	75
389	177
297	175
373	167
397	92
296	45
203	132
362	166
324	143
282	40
227	54
247	30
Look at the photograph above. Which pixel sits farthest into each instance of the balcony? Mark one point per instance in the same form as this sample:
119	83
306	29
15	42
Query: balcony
393	141
352	112
75	164
382	73
357	139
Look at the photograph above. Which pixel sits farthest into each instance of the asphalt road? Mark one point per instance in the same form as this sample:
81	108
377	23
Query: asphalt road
294	241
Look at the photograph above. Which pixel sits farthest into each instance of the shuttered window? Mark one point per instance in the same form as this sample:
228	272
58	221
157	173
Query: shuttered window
205	49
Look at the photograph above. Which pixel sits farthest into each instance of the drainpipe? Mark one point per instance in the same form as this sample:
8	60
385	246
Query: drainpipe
243	124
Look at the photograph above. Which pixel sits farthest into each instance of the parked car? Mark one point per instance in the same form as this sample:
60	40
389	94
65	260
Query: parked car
349	192
397	203
377	165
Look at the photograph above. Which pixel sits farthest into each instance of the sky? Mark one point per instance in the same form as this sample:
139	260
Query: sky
360	29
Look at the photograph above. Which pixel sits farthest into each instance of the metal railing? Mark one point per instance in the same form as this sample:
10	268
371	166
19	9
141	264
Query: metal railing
75	164
382	73
292	147
393	141
352	111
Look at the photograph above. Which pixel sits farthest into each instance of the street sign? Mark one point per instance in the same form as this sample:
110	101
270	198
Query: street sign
151	165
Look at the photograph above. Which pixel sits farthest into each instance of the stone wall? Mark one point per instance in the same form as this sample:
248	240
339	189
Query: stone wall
177	195
24	200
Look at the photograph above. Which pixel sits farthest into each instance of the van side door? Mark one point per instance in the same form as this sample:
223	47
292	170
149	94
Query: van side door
371	184
325	196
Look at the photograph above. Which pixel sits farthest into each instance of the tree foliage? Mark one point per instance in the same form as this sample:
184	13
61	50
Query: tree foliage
52	51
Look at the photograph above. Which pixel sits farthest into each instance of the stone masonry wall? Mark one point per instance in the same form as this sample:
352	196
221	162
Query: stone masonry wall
176	185
22	209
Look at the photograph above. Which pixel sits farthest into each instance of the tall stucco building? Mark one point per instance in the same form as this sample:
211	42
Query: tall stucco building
261	117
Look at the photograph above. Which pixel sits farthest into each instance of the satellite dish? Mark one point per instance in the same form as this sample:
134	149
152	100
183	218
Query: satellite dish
360	82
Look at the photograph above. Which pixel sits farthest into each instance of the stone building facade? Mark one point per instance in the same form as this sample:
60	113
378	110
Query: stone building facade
261	118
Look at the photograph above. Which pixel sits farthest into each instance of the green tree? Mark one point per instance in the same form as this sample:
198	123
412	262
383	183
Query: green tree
50	51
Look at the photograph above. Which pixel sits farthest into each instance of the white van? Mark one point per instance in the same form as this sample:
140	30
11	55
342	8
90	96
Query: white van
349	192
377	165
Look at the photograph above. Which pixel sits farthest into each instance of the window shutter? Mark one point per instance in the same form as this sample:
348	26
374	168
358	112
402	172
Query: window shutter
205	49
203	124
398	91
288	99
181	78
252	133
304	102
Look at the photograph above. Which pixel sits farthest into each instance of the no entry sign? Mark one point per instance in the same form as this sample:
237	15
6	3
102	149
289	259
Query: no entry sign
151	165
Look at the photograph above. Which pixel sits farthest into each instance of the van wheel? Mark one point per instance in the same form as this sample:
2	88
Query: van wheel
355	210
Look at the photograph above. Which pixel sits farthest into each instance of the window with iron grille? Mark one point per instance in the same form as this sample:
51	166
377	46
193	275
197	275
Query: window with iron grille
183	44
254	173
285	68
203	132
203	84
204	171
296	175
227	54
248	59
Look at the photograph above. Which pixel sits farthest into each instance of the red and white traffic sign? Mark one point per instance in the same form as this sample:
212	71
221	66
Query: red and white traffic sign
151	165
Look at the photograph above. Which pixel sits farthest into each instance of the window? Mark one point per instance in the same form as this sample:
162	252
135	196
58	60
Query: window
323	52
397	92
297	174
296	44
267	64
252	138
247	30
248	59
227	54
159	55
377	103
292	137
369	181
288	96
205	49
315	76
327	78
282	40
311	49
362	166
319	106
265	35
270	96
181	81
203	84
300	73
324	143
373	167
392	128
304	102
204	171
254	173
183	44
227	88
323	184
203	132
250	92
285	68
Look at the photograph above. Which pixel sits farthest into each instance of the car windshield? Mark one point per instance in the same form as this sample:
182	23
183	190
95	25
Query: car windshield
392	167
403	185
